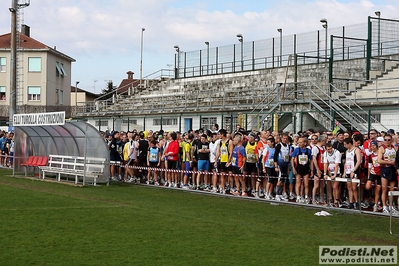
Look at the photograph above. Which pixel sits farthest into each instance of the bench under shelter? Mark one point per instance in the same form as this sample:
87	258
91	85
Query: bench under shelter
73	138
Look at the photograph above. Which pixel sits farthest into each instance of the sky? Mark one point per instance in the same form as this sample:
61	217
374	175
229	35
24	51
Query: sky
104	36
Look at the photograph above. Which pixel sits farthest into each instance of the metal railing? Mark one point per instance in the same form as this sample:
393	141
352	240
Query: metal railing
274	52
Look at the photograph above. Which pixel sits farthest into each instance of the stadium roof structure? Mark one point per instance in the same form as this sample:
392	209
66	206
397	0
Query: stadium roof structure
74	138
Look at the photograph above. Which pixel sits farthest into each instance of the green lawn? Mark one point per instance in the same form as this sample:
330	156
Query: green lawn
45	223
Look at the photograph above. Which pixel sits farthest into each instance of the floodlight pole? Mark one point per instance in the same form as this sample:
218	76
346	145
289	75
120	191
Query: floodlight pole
207	57
76	98
141	58
378	13
177	64
13	64
325	25
241	40
281	47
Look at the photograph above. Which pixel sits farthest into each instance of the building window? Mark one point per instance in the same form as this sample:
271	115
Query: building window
375	118
131	121
208	122
2	93
33	93
230	123
165	122
102	123
56	97
60	70
3	64
34	64
61	97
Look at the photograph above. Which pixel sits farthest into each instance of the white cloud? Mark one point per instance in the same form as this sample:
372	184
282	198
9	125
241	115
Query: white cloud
107	33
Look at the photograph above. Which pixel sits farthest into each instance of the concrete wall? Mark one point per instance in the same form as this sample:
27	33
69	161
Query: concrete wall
233	93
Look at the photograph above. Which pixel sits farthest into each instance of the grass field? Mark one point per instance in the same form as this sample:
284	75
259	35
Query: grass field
45	223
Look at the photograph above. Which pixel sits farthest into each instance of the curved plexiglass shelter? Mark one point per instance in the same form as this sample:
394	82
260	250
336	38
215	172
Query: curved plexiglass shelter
74	138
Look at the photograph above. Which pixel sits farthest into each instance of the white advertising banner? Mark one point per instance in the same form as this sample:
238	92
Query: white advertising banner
39	119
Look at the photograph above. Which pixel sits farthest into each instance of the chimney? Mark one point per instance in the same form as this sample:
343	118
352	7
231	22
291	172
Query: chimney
25	30
129	75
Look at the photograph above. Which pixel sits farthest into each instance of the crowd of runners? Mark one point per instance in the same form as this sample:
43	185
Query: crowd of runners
6	149
312	167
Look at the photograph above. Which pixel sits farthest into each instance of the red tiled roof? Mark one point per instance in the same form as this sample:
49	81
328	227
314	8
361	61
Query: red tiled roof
28	43
127	83
25	42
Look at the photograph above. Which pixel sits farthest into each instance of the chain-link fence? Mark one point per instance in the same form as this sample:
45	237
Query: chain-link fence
312	47
384	34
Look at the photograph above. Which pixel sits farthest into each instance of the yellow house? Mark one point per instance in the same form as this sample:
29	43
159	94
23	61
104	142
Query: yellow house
43	76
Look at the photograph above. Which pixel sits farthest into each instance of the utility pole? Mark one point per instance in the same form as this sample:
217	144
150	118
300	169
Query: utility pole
141	58
13	64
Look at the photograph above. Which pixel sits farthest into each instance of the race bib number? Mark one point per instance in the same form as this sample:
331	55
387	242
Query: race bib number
153	157
250	158
233	161
303	159
349	167
271	162
375	162
331	167
286	158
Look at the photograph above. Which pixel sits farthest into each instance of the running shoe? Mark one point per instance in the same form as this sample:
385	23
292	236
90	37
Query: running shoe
271	197
280	198
283	199
364	205
395	212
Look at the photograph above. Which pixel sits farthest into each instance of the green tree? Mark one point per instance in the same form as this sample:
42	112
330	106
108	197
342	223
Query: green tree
107	92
